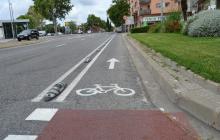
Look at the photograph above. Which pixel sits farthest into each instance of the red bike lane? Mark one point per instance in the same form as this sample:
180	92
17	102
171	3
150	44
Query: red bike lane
118	125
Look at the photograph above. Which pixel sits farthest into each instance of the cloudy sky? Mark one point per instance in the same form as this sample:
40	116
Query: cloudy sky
79	12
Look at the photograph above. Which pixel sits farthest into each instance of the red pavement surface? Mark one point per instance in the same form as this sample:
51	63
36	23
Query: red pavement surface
117	125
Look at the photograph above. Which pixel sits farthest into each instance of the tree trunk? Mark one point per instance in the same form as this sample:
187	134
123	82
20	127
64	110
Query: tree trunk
184	9
55	25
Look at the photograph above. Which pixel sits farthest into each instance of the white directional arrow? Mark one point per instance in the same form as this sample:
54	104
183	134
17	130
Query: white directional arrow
112	63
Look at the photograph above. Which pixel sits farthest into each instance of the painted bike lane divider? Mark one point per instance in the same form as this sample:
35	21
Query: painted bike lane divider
67	91
65	75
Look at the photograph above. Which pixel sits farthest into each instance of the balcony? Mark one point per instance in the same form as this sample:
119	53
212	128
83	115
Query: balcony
145	12
144	1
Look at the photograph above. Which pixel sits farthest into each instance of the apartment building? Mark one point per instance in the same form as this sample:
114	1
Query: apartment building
150	10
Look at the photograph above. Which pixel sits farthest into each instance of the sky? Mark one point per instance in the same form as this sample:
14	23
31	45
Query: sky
79	12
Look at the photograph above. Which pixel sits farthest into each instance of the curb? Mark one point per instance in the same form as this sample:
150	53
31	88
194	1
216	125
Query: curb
184	92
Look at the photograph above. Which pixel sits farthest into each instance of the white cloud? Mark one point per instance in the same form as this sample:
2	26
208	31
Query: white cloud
79	12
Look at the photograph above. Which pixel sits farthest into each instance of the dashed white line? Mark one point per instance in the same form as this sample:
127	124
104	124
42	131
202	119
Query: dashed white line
21	137
42	114
67	91
44	92
60	45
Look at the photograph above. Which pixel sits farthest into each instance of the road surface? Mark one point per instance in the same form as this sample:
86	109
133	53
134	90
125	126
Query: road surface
107	87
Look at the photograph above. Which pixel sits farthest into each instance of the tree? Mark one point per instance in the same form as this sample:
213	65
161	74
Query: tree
184	9
49	28
72	25
107	24
36	20
36	17
53	9
95	22
118	9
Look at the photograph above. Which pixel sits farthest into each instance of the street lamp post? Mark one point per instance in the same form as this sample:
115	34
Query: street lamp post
12	17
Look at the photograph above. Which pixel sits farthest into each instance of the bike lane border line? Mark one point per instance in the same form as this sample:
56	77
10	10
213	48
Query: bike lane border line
21	137
65	75
67	91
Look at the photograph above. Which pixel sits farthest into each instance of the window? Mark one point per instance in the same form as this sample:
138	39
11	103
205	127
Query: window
167	4
158	5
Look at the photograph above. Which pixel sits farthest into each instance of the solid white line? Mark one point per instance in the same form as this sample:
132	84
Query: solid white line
42	114
60	45
44	92
67	91
21	137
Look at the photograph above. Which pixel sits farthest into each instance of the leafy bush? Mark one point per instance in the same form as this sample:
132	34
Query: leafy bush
206	23
172	22
140	30
185	25
155	28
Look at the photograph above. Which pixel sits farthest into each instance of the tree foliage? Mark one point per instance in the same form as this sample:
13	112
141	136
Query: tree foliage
72	26
36	20
118	9
53	9
95	22
108	25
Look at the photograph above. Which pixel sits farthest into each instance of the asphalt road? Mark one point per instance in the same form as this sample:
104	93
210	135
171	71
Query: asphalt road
27	71
105	86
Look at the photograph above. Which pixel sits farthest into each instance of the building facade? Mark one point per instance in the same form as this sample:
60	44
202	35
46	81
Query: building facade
150	10
6	28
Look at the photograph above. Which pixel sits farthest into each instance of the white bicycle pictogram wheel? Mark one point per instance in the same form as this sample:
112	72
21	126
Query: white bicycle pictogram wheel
87	92
124	92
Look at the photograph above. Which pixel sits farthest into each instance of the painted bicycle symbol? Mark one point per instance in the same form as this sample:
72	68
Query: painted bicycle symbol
99	89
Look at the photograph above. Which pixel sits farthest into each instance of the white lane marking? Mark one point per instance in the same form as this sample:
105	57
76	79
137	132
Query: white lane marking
77	37
162	109
60	79
67	91
112	63
60	45
42	114
21	137
99	89
145	100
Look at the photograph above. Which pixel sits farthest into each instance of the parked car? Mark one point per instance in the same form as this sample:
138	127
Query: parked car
42	33
89	31
59	33
28	34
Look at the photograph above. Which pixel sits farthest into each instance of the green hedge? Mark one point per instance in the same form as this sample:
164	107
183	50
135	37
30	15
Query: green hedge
140	30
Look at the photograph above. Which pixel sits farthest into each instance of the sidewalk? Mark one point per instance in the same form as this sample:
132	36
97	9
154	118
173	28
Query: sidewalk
185	92
5	40
9	43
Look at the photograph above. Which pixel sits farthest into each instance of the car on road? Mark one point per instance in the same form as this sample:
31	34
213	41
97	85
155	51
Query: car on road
28	34
42	33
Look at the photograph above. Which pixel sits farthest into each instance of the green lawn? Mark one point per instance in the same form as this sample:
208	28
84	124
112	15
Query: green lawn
200	55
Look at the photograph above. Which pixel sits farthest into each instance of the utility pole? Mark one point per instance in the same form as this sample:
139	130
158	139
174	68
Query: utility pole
12	17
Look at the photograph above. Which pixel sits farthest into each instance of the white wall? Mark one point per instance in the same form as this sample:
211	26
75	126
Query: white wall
1	33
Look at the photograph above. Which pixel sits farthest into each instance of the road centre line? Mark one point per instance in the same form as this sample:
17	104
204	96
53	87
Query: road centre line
62	77
67	91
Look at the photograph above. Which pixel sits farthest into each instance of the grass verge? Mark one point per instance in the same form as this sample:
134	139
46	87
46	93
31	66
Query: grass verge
200	55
